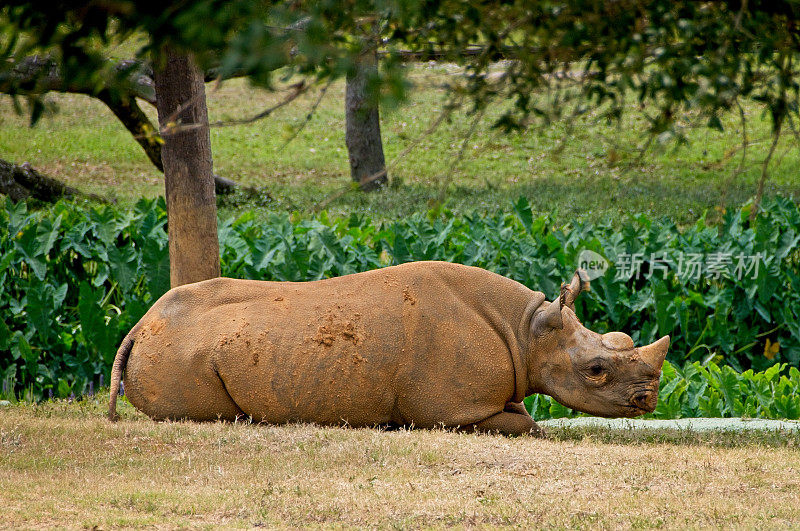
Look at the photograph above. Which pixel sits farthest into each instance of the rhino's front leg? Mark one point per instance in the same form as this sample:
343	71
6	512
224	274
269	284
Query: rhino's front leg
513	420
516	407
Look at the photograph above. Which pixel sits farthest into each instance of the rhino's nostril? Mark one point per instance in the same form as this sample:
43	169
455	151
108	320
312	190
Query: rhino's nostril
642	401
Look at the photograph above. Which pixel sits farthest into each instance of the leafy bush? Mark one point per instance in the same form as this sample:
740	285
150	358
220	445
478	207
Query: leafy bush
74	280
76	277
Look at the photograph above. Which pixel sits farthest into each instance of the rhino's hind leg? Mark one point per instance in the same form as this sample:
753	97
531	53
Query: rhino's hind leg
167	389
509	423
208	401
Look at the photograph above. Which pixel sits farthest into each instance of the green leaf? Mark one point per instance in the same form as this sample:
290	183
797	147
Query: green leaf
773	373
559	411
124	266
105	226
101	336
523	209
17	216
5	335
731	391
155	260
42	309
47	233
670	387
665	308
75	238
21	349
64	389
28	246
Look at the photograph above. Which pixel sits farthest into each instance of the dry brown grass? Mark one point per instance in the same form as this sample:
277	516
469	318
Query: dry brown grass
65	465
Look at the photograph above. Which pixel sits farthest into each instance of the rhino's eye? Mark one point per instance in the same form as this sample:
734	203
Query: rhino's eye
596	370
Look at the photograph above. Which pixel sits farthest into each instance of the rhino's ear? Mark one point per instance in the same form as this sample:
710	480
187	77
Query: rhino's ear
570	292
547	319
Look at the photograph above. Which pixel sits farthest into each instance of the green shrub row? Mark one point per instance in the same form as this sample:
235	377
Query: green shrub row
76	277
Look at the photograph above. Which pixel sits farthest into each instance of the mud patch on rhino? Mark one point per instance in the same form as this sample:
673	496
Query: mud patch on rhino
157	326
390	282
408	296
339	327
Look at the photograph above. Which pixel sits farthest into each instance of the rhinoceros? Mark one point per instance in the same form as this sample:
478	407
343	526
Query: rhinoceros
428	344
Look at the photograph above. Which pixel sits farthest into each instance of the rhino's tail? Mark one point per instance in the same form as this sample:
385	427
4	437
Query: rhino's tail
120	361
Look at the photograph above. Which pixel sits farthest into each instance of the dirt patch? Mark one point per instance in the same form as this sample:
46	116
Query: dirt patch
408	296
339	327
157	326
325	336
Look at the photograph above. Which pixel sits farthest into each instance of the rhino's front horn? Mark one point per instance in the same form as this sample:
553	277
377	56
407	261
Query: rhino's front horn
654	353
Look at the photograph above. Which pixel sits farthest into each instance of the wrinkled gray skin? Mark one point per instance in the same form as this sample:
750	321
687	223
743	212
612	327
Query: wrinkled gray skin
425	344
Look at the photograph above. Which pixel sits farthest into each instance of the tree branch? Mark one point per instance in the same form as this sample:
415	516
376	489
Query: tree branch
37	75
20	181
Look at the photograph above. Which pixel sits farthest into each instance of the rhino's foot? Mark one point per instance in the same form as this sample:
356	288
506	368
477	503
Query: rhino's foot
508	423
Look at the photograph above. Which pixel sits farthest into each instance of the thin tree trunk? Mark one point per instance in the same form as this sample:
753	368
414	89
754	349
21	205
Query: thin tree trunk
188	173
363	128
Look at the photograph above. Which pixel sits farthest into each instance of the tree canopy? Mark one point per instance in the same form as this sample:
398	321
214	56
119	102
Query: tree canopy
559	58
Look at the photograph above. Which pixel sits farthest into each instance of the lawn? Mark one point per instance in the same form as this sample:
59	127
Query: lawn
65	465
588	170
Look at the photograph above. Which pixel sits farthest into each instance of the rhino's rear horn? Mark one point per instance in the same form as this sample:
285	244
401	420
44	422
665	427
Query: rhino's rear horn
547	319
579	283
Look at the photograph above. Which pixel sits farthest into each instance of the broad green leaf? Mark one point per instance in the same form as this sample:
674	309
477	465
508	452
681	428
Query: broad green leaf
523	209
124	266
28	246
558	411
155	261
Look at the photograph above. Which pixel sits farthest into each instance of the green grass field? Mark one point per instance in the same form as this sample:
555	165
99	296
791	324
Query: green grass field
589	170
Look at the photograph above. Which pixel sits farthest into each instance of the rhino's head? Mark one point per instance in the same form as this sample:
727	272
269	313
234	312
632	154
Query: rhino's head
603	375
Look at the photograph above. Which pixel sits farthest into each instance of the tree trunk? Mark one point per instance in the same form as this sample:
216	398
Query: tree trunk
363	128
188	173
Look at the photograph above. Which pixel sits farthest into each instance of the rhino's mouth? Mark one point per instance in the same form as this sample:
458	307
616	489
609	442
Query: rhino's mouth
635	411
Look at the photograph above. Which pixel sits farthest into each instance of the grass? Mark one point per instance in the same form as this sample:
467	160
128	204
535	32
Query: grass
64	465
590	170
